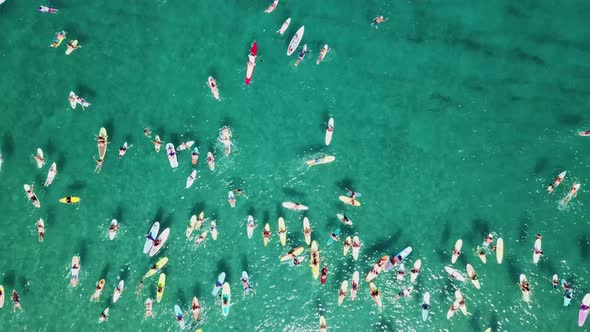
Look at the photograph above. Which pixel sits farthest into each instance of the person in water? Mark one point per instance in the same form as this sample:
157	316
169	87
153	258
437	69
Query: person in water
16	301
98	165
147	132
378	20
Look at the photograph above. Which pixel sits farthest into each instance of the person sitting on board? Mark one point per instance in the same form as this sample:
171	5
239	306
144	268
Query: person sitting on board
375	292
324	274
414	270
350	193
425	306
456	252
114	227
156	242
525	287
41	230
251	58
474	276
378	20
266	233
355	286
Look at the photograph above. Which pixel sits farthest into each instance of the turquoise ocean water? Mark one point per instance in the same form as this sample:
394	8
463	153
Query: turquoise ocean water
451	119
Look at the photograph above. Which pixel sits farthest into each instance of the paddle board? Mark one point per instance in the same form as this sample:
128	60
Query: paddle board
315	260
225	299
113	229
73	200
151	235
31	196
191	178
156	267
171	153
295	206
323	53
322	160
344	219
329	130
456	251
231	199
72	98
160	287
306	230
118	291
356	246
1	296
347	244
102	146
266	234
179	318
284	27
416	270
472	276
375	294
213	229
323	324
251	64
454	274
292	253
162	238
355	285
295	41
282	231
218	284
425	306
398	258
51	174
377	268
526	295
343	291
335	234
583	314
75	271
195	308
349	200
537	251
499	250
250	226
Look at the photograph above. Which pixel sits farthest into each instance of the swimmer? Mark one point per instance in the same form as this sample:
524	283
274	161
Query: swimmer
139	288
49	10
41	229
324	274
98	165
378	20
147	132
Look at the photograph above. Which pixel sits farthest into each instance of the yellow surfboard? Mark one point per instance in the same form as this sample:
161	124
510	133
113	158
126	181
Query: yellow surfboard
70	200
160	287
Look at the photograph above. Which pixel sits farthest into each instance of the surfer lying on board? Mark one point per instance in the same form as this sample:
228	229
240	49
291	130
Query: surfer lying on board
378	20
45	9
